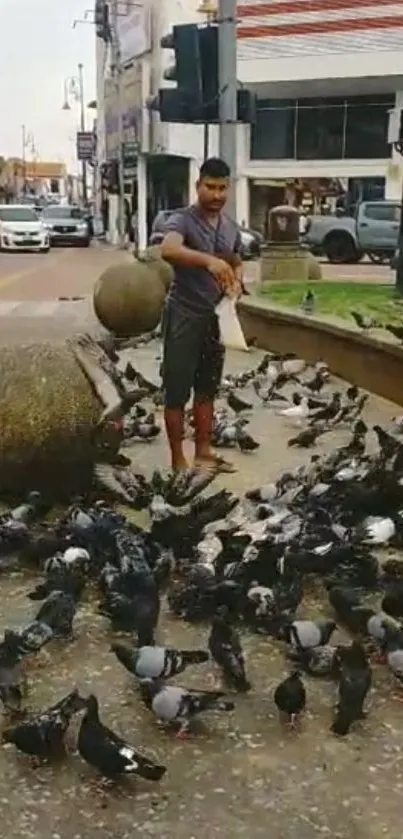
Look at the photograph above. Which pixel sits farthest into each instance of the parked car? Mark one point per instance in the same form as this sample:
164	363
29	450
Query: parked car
22	229
67	225
251	239
374	231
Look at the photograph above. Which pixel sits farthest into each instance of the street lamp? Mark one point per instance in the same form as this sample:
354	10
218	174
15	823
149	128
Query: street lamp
27	140
74	90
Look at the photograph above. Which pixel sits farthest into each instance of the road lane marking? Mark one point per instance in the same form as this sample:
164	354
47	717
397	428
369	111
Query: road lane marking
10	279
47	308
8	306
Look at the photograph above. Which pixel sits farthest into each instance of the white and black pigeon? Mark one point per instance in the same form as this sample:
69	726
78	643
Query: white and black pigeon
109	753
177	705
157	662
305	634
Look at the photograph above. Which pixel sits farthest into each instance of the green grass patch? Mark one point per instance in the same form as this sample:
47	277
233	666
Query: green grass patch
338	299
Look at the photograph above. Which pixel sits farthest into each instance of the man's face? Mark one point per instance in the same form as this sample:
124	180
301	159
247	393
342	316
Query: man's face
212	193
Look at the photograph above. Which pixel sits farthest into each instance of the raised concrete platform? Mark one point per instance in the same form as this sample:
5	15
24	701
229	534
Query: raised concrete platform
368	360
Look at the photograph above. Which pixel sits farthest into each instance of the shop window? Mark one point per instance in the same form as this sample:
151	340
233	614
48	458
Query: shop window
367	129
273	135
320	129
54	186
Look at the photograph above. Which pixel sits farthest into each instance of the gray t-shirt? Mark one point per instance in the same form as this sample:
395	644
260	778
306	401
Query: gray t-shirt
195	289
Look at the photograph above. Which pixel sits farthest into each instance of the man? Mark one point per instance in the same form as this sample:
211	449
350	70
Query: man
203	245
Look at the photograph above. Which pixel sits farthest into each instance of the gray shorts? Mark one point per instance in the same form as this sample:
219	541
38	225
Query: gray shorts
193	356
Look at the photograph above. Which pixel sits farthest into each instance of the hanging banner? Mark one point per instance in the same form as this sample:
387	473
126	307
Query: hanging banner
133	31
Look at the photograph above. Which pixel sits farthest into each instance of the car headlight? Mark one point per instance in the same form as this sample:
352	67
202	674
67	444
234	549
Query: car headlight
82	226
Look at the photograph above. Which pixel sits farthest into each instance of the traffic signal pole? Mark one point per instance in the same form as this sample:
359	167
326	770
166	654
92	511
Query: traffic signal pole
227	76
118	76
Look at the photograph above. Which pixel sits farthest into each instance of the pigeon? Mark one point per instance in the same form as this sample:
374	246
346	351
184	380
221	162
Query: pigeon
308	303
109	753
157	662
225	647
57	612
364	322
236	404
290	697
355	682
42	735
306	438
396	331
174	704
307	634
393	646
317	661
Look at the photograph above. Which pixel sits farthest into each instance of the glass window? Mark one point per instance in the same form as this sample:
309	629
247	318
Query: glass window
62	212
320	129
382	212
17	214
367	130
272	137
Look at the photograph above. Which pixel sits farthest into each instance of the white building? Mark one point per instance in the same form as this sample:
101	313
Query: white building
326	73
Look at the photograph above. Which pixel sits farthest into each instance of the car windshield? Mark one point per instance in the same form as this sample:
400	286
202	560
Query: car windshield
62	212
17	214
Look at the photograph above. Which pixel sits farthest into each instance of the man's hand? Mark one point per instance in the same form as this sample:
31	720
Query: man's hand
222	272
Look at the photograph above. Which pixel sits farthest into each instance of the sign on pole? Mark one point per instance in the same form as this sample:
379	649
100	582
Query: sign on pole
85	145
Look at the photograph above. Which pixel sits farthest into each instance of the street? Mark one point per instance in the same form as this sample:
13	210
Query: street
70	272
31	286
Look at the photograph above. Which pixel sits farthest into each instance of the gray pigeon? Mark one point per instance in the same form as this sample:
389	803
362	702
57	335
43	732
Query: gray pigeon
303	635
317	661
172	704
157	662
394	650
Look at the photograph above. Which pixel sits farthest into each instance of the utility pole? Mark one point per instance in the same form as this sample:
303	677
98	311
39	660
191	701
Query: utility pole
24	160
82	127
227	85
118	76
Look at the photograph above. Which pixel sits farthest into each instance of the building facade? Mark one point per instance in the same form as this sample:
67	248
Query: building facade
326	74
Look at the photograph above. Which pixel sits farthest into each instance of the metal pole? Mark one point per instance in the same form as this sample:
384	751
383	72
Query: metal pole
24	164
82	126
118	73
399	265
206	140
227	84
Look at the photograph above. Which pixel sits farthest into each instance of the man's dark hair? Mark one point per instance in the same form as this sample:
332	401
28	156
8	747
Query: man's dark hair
214	167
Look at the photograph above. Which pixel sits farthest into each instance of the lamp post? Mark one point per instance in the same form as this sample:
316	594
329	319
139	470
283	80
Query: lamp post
74	89
27	139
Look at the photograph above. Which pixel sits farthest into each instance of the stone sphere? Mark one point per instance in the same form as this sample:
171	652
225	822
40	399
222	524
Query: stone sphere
129	297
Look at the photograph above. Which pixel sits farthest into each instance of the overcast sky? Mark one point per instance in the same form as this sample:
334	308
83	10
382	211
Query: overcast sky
38	50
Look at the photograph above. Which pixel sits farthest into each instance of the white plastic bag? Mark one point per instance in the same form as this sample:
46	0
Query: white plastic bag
231	333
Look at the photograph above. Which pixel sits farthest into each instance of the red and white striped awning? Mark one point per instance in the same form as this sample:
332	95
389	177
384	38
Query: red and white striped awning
296	27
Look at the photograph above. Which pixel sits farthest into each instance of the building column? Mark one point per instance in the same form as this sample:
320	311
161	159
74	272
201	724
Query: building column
242	200
193	176
142	233
394	173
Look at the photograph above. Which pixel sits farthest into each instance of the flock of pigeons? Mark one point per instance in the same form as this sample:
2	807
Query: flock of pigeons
233	563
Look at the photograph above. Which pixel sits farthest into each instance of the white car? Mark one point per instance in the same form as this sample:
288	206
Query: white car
21	229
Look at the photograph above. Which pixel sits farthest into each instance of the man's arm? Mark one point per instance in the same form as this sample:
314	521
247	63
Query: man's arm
173	249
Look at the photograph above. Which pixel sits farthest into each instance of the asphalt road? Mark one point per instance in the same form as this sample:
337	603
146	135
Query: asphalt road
32	285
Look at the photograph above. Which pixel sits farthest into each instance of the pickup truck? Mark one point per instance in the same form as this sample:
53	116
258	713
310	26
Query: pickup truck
344	239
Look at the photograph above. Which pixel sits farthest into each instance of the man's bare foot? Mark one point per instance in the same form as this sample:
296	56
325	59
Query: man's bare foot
180	465
214	463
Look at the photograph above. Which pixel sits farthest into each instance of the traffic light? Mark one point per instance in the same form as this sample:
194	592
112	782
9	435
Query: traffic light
102	27
186	72
196	98
208	51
